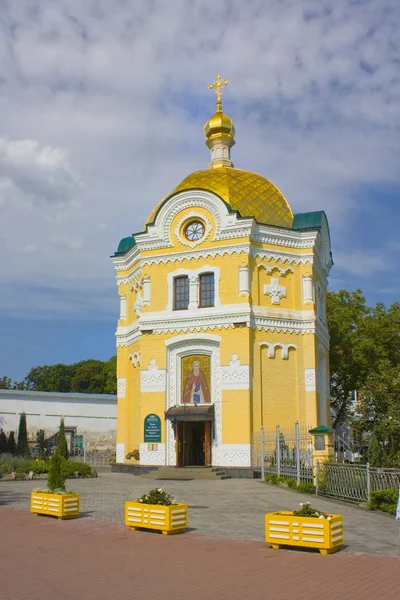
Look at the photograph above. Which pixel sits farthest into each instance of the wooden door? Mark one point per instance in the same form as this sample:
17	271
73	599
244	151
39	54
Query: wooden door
207	443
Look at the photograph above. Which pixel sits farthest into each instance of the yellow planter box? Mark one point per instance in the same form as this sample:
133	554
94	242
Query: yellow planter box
284	529
63	506
168	519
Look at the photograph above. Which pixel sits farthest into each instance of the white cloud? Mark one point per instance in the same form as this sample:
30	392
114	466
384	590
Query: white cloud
114	94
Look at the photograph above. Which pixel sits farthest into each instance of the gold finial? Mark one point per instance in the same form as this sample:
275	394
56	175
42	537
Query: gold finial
217	85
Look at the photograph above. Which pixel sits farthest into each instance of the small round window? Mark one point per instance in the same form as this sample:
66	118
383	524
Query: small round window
194	231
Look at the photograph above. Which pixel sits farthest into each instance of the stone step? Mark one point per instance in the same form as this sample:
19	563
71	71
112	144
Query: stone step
186	473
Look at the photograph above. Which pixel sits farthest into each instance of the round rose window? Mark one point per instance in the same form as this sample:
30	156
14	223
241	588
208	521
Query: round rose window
194	231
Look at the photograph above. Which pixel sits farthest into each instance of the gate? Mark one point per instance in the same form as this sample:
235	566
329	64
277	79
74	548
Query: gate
96	449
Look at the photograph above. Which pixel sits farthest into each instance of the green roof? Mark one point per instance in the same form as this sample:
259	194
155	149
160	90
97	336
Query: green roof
308	220
125	244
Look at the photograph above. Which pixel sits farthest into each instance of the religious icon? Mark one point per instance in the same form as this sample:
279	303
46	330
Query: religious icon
196	388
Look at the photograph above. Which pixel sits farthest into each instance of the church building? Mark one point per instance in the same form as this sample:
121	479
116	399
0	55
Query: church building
222	324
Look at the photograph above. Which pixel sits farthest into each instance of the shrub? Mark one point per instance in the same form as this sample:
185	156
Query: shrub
272	479
306	487
39	467
385	500
83	469
57	476
307	510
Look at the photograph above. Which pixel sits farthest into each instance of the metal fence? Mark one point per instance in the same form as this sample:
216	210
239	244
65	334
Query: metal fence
353	483
97	450
285	452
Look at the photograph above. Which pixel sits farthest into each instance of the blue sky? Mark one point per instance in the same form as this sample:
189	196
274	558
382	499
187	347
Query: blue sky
102	107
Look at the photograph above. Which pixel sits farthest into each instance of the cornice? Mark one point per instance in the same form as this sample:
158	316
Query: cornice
284	257
136	273
211	252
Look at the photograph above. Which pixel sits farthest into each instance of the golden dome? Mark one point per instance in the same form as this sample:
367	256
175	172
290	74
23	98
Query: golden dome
248	193
219	123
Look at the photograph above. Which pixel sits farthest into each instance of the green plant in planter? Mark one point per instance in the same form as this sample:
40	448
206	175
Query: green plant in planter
307	511
157	496
57	473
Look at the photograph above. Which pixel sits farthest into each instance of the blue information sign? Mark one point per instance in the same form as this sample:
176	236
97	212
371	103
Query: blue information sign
152	429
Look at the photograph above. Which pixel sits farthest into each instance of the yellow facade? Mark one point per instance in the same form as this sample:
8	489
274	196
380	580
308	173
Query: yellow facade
264	333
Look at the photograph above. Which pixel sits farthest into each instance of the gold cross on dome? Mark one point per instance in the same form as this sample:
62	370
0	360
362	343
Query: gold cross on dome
217	85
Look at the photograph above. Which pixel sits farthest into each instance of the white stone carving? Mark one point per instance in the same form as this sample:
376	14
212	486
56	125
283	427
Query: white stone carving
135	358
183	240
195	254
122	307
244	280
272	346
154	379
233	455
235	376
121	387
290	257
275	290
120	453
152	457
128	335
137	307
284	325
309	377
193	292
136	274
282	272
176	349
308	290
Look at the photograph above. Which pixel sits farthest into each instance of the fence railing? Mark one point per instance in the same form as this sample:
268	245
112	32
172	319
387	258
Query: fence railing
353	483
286	452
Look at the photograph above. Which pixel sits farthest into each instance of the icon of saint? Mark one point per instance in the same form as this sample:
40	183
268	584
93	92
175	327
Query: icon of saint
196	387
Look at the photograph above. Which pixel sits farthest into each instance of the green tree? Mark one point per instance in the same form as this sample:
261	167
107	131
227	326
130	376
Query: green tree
5	383
3	442
90	377
345	312
11	445
57	474
42	443
50	378
22	444
110	369
62	441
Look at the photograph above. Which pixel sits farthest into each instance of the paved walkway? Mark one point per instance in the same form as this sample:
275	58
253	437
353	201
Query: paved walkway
46	559
231	509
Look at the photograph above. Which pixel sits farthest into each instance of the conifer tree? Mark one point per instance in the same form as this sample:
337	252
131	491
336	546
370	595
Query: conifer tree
62	441
3	442
22	444
57	475
11	445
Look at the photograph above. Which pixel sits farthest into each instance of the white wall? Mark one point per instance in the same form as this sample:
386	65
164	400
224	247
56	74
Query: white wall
87	412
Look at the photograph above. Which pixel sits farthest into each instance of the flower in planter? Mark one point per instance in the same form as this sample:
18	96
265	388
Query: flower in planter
157	496
307	511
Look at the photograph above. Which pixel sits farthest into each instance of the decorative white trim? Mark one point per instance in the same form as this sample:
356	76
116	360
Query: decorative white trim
309	378
173	257
207	229
136	274
233	455
209	337
153	379
146	291
135	358
275	291
127	335
152	457
283	325
121	387
275	255
270	270
176	349
235	376
120	453
272	346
